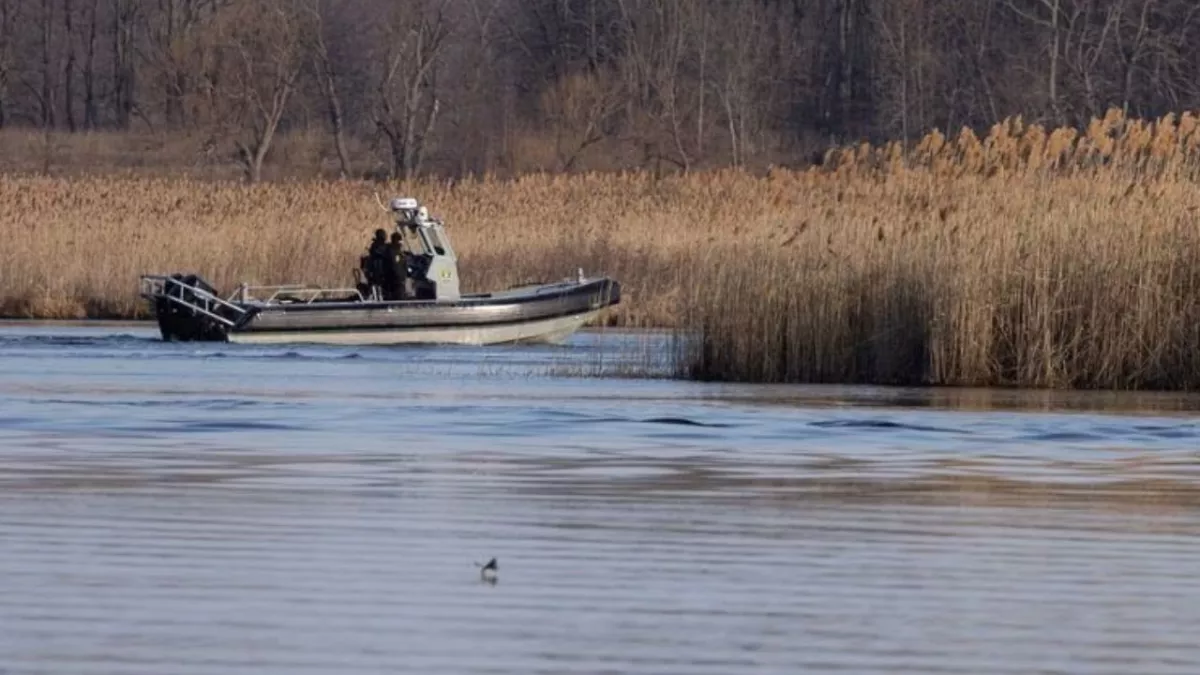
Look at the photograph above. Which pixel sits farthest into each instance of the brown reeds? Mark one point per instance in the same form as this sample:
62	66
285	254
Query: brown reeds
74	247
1048	258
1030	258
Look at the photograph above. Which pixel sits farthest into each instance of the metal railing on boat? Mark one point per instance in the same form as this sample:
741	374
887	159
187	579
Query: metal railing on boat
295	292
189	295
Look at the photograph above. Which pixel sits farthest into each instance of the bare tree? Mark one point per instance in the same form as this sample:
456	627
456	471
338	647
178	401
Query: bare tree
70	65
1051	15
327	75
482	113
737	75
406	104
582	111
479	85
658	52
174	43
10	19
1156	41
838	79
126	15
261	44
896	24
49	119
91	112
973	42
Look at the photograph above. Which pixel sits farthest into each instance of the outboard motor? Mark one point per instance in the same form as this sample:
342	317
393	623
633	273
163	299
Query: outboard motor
179	322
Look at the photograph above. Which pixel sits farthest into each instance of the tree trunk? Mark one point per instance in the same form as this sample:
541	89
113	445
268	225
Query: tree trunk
419	149
1056	47
846	76
89	73
260	154
255	168
124	72
255	153
48	117
333	104
176	84
735	158
906	63
116	63
6	35
252	156
703	83
397	146
174	80
409	132
69	69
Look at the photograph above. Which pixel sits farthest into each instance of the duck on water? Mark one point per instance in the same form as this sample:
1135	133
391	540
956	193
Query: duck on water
381	308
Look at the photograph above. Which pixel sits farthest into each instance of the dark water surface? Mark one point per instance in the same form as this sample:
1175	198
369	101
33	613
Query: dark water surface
224	509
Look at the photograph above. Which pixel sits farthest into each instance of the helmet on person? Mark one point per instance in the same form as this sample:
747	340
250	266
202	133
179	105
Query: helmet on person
422	214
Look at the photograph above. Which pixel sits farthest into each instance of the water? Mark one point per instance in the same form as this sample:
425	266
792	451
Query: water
224	509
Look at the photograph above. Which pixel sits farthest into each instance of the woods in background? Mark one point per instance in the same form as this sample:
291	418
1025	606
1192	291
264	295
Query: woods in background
450	87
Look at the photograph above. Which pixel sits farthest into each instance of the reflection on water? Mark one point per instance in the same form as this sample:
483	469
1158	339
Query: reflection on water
215	508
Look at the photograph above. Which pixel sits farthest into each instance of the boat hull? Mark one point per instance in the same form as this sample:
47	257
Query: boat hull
548	331
539	313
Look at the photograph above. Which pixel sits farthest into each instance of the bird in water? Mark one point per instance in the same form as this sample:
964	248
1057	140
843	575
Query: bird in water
488	572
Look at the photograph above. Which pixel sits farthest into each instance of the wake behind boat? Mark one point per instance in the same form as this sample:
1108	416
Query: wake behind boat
405	292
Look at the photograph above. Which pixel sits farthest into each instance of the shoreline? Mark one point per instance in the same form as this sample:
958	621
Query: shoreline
66	323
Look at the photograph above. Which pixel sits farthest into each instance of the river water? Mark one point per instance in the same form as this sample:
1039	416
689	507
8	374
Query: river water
171	508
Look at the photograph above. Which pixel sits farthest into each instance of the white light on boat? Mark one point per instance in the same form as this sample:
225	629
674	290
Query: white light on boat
403	204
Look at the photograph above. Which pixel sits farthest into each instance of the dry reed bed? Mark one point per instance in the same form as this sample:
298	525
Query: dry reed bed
74	247
1048	259
1109	147
1019	260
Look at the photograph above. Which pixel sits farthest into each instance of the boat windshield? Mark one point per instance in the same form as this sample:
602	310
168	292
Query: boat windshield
435	242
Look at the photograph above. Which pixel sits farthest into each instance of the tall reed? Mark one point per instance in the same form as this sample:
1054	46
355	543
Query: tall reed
1031	259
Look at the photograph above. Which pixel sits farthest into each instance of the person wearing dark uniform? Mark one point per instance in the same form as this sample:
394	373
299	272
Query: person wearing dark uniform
397	268
377	257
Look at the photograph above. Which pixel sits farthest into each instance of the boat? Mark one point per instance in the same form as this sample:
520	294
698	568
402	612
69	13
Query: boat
187	308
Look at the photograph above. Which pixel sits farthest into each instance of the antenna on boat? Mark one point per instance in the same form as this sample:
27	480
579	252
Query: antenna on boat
380	203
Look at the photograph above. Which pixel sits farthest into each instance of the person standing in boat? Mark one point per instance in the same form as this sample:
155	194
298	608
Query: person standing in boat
377	258
396	269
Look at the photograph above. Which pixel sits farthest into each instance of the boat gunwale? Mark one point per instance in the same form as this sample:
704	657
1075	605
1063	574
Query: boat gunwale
578	299
383	328
498	298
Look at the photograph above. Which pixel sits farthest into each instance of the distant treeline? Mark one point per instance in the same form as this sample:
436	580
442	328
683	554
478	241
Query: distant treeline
404	87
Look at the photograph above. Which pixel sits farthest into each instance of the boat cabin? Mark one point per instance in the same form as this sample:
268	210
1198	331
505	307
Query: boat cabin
432	263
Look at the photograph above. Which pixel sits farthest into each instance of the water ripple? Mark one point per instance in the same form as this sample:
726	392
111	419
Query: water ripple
210	509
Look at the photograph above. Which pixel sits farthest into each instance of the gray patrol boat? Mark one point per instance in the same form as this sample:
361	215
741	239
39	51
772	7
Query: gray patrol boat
189	309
